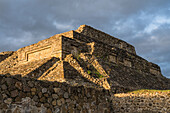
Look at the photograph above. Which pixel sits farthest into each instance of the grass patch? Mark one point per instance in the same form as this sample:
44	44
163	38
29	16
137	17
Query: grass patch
142	91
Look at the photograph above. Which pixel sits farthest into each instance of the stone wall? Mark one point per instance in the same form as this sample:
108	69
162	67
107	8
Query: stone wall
29	95
153	102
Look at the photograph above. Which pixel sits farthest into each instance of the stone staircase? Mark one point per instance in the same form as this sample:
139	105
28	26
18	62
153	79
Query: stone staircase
78	65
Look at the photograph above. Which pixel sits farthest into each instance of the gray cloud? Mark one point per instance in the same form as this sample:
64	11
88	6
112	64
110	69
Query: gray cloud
145	24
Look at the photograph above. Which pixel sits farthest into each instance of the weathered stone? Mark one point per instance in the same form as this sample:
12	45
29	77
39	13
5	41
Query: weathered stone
112	58
14	93
22	94
35	98
49	100
9	81
1	97
40	94
46	95
79	107
29	94
46	105
68	100
44	90
9	111
17	99
33	89
72	110
17	110
11	87
59	102
26	88
56	90
4	87
55	96
8	100
4	96
49	111
127	63
57	110
30	84
32	93
66	95
62	100
39	104
43	99
64	109
18	85
54	102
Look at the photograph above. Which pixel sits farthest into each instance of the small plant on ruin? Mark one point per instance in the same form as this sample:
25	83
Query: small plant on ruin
88	72
98	74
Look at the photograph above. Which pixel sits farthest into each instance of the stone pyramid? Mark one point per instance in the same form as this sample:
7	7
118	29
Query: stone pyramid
84	56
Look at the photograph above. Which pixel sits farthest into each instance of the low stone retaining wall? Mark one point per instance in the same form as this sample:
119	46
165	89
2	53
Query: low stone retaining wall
156	102
21	95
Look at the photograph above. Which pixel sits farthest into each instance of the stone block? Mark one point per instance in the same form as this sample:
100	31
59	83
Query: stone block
127	63
112	58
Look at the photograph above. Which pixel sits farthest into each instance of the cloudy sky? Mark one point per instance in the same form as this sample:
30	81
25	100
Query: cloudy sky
142	23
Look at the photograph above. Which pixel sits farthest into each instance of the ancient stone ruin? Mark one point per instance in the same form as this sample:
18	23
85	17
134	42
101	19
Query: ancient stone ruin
58	73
